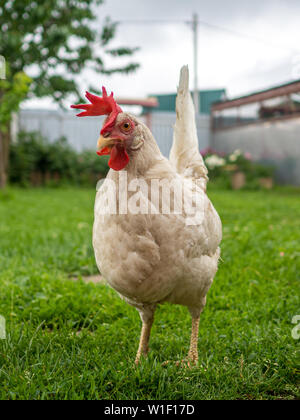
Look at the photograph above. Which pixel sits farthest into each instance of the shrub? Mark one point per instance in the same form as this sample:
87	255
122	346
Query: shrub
33	160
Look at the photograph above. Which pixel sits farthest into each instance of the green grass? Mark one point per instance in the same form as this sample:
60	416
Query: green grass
70	340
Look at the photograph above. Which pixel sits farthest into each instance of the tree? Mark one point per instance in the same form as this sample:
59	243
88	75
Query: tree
53	41
12	92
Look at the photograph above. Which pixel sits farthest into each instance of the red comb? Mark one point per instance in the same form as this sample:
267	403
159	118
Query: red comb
100	106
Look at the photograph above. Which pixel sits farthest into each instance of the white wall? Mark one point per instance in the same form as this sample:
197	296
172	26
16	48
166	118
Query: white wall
277	142
82	133
162	129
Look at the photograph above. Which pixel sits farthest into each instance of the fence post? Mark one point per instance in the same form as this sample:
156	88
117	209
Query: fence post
2	67
14	127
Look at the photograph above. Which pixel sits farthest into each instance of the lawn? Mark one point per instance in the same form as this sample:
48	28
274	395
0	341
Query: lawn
67	339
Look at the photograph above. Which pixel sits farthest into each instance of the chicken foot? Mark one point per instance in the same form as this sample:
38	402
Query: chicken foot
193	352
144	341
147	317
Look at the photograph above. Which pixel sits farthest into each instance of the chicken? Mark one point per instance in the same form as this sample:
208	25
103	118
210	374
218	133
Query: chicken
149	246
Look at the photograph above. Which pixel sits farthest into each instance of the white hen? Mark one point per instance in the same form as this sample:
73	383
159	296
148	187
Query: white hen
154	257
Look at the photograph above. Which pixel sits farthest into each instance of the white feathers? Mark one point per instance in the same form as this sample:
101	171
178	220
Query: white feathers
153	258
185	155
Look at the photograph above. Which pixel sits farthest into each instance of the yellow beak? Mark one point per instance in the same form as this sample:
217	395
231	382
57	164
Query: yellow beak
105	142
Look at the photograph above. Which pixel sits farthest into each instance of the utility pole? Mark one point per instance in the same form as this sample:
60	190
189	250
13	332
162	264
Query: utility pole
195	24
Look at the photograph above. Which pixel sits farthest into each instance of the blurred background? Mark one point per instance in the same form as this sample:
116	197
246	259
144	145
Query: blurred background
244	64
64	334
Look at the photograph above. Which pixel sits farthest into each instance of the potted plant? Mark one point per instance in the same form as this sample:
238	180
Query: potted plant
265	175
238	165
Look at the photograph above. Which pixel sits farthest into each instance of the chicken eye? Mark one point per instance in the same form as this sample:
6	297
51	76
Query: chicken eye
126	126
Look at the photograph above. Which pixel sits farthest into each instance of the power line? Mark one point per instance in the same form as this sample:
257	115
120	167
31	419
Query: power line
209	25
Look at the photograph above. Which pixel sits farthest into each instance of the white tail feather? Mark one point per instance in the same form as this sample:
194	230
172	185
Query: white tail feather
185	155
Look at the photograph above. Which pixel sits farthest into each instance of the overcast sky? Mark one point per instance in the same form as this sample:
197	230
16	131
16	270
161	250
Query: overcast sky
268	56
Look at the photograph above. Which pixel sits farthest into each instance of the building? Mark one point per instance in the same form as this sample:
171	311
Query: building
162	118
265	124
167	102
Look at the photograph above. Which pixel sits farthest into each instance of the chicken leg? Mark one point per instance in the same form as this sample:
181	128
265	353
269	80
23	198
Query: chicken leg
193	352
195	313
147	316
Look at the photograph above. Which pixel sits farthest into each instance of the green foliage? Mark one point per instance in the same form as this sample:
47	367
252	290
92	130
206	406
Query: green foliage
263	171
53	163
221	167
55	40
70	340
12	92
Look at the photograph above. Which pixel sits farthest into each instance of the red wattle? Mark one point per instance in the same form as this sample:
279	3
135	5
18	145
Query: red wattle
118	158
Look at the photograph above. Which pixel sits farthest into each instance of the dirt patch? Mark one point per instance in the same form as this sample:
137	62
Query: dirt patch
94	279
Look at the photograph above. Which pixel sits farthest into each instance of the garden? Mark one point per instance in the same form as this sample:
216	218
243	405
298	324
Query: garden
238	170
68	338
34	161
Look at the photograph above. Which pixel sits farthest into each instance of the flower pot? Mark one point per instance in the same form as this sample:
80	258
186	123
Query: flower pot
36	178
266	183
238	180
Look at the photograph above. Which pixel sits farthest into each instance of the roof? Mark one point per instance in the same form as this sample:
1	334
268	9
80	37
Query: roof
147	102
273	92
167	102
